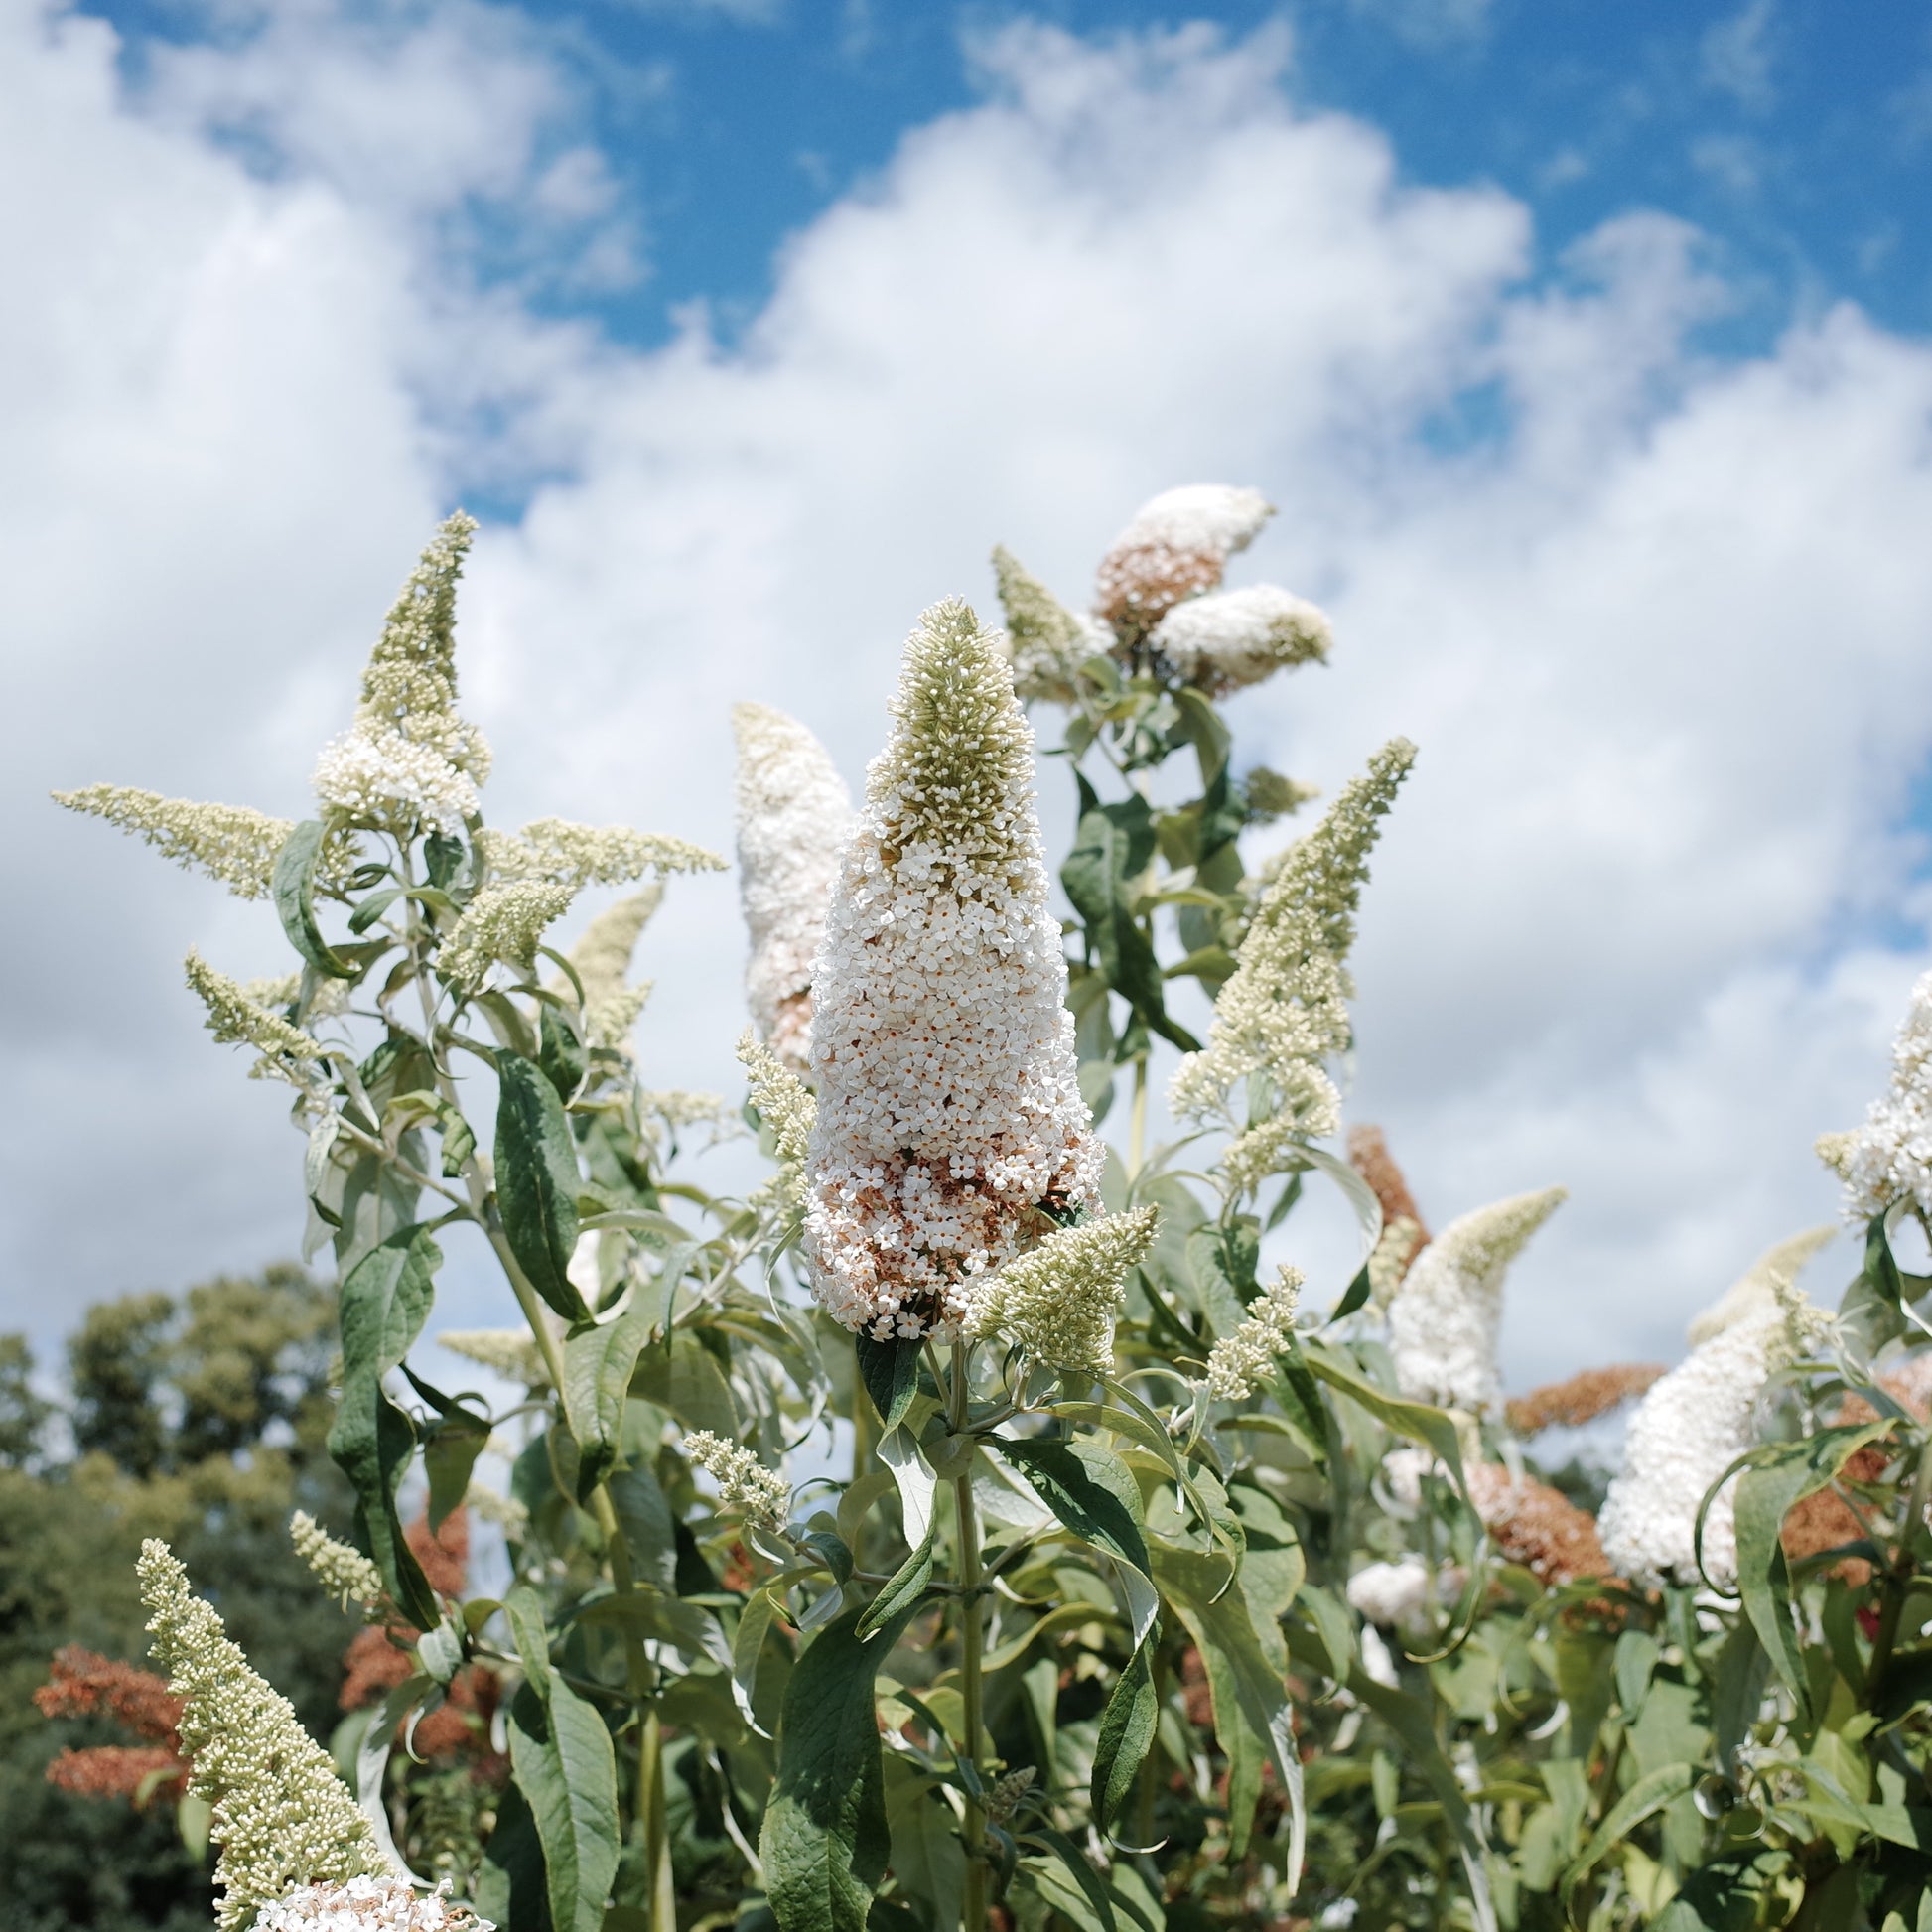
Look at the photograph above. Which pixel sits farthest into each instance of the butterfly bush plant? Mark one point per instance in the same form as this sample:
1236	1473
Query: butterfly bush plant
970	1526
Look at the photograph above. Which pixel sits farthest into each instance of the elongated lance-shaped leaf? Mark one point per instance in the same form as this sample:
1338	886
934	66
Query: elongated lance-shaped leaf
891	1373
561	1756
599	1359
294	890
537	1182
386	1300
826	1839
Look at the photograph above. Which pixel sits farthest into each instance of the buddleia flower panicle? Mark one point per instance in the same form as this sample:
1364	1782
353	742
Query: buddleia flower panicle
1400	1596
794	815
1229	640
760	1495
1404	1234
502	923
1239	1363
327	997
557	852
280	1813
1537	1526
1045	643
369	1905
1284	1012
1580	1399
1759	1285
287	1053
1271	796
787	1107
1445	1317
1889	1158
949	1112
1057	1304
511	1352
231	843
345	1572
1689	1428
602	959
1176	546
509	1515
409	763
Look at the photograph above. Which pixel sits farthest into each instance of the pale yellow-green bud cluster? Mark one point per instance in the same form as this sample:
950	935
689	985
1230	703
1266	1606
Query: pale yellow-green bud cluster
1284	1013
505	922
231	843
560	853
345	1574
1045	643
287	1053
602	959
787	1107
510	1353
1057	1304
1395	1248
760	1495
279	1811
1237	1362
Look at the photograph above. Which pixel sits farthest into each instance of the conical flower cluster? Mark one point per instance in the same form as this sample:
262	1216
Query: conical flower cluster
232	843
602	959
1685	1433
1760	1285
1238	1362
1057	1304
282	1816
1889	1158
1285	1012
1444	1321
287	1053
1177	547
1046	642
794	815
1230	638
409	763
345	1574
950	1133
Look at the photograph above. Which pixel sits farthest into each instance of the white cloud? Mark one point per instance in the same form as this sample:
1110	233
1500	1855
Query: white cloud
1661	644
1740	52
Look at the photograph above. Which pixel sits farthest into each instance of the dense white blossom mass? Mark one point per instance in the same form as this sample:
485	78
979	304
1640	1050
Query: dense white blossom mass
794	815
1889	1158
1445	1317
1176	546
1760	1285
368	1905
1686	1432
1227	640
950	1130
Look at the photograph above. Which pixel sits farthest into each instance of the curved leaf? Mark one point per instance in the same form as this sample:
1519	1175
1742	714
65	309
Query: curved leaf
1648	1795
537	1183
294	889
599	1362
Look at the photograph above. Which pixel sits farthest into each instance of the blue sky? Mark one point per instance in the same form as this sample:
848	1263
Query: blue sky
1795	134
1586	352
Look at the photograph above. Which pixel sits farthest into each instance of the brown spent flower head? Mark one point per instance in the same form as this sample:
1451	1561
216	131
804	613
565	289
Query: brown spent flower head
1537	1526
1824	1519
1369	1155
83	1684
1585	1396
120	1771
1176	546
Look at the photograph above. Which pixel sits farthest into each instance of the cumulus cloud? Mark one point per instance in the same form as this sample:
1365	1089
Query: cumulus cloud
1642	925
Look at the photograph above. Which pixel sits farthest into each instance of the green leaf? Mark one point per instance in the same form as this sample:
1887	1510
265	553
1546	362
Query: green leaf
826	1839
644	1517
1359	1290
891	1373
1416	1420
902	1591
1127	1727
560	1752
294	890
686	1381
1780	1476
449	1456
509	1888
1251	1721
1090	1489
1647	1796
537	1183
386	1300
599	1362
1112	846
560	1052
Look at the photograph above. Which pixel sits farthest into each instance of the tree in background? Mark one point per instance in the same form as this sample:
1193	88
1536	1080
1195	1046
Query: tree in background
206	1412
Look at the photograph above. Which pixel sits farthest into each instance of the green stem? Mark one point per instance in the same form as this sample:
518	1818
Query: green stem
663	1894
971	1638
1136	1119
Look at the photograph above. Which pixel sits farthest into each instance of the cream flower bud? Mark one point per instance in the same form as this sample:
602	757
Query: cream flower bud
287	1053
230	843
345	1574
280	1812
1232	638
557	852
1175	547
794	815
1284	1012
503	923
785	1105
386	780
510	1352
760	1495
950	1111
1057	1304
1238	1362
1045	643
1444	1320
1759	1285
